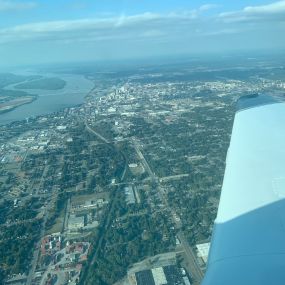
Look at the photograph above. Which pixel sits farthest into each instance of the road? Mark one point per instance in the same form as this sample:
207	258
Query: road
124	172
108	218
96	134
173	177
43	228
107	142
37	251
143	160
106	225
195	269
42	233
67	210
46	168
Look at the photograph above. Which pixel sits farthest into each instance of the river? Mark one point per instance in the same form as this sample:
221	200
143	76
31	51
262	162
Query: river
49	101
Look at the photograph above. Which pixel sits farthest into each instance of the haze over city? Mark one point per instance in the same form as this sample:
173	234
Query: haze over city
35	31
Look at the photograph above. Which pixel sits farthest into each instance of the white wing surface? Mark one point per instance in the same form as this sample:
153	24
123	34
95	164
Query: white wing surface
248	242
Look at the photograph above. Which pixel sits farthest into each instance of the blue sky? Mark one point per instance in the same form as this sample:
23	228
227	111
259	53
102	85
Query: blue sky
41	31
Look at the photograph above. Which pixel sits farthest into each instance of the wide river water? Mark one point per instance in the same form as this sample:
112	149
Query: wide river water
49	101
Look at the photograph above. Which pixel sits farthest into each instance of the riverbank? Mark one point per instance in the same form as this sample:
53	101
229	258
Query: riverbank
15	103
50	101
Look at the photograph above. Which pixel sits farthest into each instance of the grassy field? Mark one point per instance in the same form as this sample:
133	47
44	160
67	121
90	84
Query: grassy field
58	225
82	198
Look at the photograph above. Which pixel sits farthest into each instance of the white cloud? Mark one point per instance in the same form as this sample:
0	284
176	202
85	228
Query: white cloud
7	5
273	8
118	36
273	12
207	7
175	27
147	24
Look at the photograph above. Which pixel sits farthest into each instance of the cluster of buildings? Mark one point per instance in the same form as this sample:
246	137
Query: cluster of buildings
33	141
60	260
158	270
167	275
51	244
132	194
132	110
84	213
15	152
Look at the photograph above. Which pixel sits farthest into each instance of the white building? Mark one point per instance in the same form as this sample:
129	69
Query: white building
203	251
159	276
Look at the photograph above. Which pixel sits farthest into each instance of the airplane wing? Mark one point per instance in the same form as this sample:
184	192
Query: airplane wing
248	241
